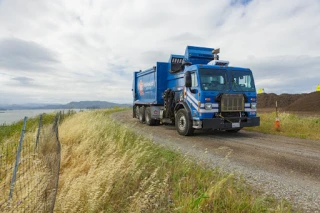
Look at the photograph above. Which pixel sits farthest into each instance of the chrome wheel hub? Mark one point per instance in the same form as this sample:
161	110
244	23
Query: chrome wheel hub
182	123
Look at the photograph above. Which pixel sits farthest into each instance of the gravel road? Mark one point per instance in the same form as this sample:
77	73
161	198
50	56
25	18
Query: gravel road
281	166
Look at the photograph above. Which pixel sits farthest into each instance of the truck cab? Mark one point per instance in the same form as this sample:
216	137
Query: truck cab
199	91
219	97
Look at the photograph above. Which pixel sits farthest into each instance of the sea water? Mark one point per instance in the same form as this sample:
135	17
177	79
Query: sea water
10	116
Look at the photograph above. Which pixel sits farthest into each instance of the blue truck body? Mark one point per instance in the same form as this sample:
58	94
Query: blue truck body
150	84
196	91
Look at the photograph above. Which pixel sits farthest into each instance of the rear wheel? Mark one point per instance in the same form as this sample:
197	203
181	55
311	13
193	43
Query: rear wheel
183	123
149	120
137	111
141	114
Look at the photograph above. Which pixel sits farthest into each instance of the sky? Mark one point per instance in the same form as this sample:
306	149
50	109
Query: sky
75	50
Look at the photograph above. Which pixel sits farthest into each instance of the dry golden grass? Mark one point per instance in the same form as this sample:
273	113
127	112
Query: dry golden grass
31	179
108	168
91	163
49	154
38	169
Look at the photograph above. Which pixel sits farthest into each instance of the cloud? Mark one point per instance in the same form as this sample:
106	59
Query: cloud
88	50
240	2
24	80
186	38
17	54
285	74
149	58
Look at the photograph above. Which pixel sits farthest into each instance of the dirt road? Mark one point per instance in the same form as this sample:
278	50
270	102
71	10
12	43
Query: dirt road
281	166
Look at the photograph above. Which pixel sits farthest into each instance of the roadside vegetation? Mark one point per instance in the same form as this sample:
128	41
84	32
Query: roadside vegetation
13	131
106	167
292	125
35	173
10	135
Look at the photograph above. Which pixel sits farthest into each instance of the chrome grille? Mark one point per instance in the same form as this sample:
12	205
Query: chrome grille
232	103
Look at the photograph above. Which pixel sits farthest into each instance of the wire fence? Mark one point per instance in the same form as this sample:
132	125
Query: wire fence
29	168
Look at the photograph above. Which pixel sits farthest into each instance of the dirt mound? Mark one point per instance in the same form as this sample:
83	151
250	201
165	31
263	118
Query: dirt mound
308	102
290	102
268	100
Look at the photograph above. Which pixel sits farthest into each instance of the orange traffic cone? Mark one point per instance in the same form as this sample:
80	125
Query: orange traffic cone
277	124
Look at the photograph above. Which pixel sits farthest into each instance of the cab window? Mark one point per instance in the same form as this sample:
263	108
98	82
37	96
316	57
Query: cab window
194	81
242	81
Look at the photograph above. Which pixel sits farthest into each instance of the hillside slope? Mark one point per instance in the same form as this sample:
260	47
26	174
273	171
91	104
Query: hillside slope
108	168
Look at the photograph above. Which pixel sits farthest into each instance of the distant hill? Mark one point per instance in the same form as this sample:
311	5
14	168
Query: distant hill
93	105
71	105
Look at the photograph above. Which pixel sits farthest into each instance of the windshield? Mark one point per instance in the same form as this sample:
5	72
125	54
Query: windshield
242	81
213	79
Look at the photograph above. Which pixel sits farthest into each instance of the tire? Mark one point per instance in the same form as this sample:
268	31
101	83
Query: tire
141	114
183	123
233	130
149	120
137	112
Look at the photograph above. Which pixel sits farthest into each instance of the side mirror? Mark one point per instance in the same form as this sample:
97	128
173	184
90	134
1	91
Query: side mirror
187	79
194	91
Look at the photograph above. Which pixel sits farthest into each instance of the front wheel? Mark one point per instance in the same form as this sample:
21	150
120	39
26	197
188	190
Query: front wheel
183	123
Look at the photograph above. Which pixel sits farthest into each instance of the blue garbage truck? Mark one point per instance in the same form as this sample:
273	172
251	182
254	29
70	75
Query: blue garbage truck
196	91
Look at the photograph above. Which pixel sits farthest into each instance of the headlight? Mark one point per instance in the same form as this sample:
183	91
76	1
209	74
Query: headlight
208	106
253	105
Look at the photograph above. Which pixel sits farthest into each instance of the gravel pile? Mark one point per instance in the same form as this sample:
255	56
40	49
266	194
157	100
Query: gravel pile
306	102
268	100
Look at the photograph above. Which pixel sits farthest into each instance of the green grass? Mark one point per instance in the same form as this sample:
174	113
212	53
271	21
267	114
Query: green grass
8	131
106	167
290	125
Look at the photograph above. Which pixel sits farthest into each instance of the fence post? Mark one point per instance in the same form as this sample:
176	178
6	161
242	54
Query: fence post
56	131
17	158
38	134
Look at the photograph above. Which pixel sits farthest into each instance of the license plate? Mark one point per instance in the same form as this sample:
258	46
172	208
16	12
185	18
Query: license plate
235	125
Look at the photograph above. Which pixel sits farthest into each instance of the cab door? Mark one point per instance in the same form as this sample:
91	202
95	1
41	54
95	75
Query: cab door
192	94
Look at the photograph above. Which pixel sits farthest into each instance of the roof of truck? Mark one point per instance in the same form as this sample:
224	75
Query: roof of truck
221	67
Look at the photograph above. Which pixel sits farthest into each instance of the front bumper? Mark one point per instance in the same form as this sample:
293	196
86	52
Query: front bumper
230	123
